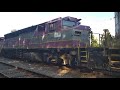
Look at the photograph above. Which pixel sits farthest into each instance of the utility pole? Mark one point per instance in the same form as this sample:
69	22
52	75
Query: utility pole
99	40
105	30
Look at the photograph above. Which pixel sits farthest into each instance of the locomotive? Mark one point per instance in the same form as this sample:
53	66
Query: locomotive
62	41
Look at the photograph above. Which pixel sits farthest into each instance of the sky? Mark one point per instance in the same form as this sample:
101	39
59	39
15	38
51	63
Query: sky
19	20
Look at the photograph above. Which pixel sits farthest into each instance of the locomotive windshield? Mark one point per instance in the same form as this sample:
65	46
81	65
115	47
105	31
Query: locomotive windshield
68	23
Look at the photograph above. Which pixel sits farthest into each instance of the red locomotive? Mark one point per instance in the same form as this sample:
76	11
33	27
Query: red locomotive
61	36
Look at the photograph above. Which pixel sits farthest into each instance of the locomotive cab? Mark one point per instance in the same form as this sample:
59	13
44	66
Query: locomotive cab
74	31
70	22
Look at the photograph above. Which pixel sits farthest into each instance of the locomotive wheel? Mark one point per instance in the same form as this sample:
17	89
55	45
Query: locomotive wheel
44	57
49	60
60	62
73	62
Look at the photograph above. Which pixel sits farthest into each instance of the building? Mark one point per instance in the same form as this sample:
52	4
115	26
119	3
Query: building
117	24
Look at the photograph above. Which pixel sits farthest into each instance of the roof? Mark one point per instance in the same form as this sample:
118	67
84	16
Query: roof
83	27
71	19
42	27
25	30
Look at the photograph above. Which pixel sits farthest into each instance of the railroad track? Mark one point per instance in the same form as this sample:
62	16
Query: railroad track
39	68
10	71
97	56
29	70
36	68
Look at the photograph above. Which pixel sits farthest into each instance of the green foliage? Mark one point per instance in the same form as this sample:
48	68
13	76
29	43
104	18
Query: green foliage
111	41
94	41
116	42
106	40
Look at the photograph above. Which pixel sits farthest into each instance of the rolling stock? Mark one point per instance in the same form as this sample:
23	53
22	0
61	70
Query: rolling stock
62	41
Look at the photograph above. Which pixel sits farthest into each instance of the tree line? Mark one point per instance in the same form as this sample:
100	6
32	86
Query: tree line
105	40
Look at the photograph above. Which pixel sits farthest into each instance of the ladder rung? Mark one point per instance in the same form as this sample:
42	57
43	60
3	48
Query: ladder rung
113	61
115	54
83	51
115	68
84	61
84	56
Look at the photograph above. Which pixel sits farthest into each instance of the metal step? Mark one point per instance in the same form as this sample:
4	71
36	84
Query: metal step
84	61
84	56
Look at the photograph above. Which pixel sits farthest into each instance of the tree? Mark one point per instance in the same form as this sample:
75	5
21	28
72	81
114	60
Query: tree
94	41
107	40
116	42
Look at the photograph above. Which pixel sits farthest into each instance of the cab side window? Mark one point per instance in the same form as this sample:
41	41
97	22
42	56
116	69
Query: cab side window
52	27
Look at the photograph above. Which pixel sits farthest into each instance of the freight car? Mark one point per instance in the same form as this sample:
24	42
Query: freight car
62	41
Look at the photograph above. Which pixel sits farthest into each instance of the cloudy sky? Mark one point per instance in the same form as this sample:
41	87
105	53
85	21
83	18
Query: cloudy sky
18	20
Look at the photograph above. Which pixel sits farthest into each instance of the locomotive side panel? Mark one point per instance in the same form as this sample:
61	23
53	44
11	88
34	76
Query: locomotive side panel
48	35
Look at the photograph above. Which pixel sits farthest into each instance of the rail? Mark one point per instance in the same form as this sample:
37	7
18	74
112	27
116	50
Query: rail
16	72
